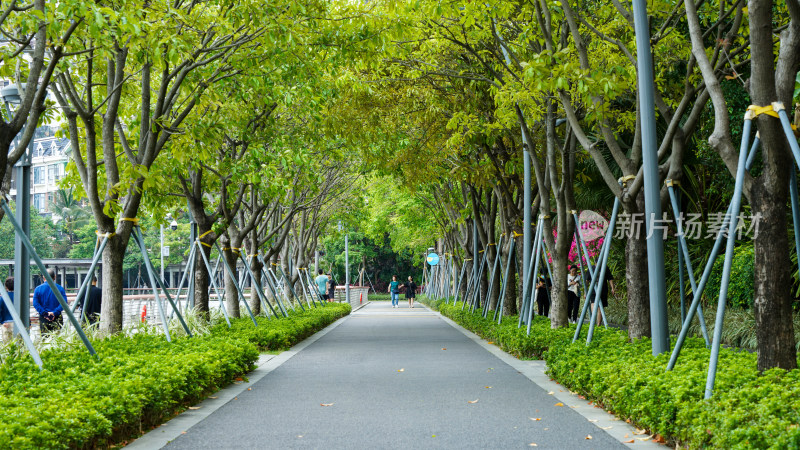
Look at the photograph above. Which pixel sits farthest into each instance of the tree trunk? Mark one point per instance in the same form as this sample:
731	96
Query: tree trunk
201	283
111	309
255	300
231	292
772	277
636	278
558	306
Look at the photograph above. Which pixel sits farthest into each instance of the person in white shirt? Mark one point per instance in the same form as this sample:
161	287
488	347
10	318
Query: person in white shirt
573	294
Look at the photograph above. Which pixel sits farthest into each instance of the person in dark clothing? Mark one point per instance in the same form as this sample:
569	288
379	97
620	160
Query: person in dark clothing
48	306
411	291
6	321
331	288
608	279
94	303
543	286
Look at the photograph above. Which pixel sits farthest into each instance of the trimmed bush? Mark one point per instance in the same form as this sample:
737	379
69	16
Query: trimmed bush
138	381
748	410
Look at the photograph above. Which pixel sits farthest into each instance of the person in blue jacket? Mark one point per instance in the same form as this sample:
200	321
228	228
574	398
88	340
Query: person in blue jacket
46	304
6	321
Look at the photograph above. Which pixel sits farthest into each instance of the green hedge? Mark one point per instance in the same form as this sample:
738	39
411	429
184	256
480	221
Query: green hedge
748	410
137	381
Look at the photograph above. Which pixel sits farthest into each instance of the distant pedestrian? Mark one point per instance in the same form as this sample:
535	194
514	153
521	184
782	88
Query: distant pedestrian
394	290
322	285
47	305
6	321
94	303
331	288
543	287
411	291
608	279
573	294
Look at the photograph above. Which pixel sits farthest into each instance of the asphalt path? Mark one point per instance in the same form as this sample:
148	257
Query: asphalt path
394	378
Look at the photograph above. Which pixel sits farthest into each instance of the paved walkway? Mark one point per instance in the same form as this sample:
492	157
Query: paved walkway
394	378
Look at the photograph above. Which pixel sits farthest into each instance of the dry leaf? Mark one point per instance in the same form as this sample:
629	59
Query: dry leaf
660	439
546	429
249	389
402	370
551	393
299	435
592	420
588	437
646	438
194	407
535	419
606	428
213	397
326	404
630	442
559	404
183	432
239	379
533	444
638	431
473	401
490	342
488	387
444	348
627	435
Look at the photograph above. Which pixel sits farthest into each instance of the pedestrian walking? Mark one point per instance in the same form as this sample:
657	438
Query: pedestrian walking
573	294
6	321
394	290
94	303
543	295
331	288
322	285
411	291
47	305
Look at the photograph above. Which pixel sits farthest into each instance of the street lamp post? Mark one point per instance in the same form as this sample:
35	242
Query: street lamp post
22	258
165	250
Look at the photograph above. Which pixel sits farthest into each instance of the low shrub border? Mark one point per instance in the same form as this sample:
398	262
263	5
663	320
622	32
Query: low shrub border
748	410
138	381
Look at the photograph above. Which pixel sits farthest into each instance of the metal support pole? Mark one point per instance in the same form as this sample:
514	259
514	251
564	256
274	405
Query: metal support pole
726	267
511	248
652	185
695	306
22	257
257	287
492	276
458	284
161	249
232	274
347	268
535	262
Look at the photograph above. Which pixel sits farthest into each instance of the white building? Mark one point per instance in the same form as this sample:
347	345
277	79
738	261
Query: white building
48	166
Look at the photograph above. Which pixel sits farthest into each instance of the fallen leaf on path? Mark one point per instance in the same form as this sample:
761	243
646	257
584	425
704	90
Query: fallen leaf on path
194	407
588	437
592	420
326	404
183	432
473	401
646	438
638	431
559	404
488	387
249	389
551	393
239	379
299	435
627	435
606	428
533	444
582	397
214	397
490	342
402	370
632	441
627	420
535	419
444	348
546	429
660	439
